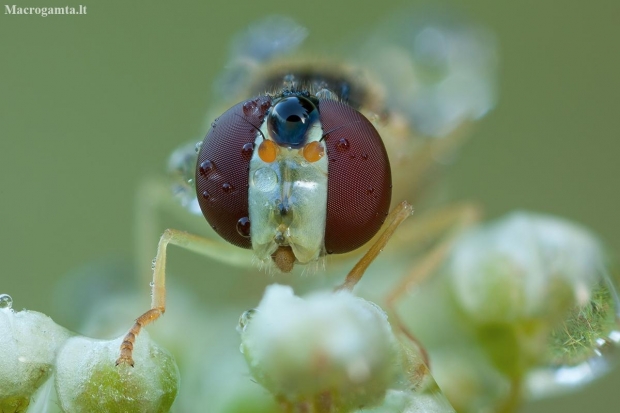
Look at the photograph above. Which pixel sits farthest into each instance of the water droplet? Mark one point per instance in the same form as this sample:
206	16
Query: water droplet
206	167
213	124
190	181
152	284
198	146
370	190
249	107
241	348
247	150
205	195
243	227
265	179
153	263
6	301
330	251
343	145
214	227
245	319
326	94
227	188
265	103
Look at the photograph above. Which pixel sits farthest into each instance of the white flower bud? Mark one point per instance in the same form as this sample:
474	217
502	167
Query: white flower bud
404	401
524	266
538	292
87	379
328	348
28	344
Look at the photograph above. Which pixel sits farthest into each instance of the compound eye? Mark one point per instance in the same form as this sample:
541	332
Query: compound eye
222	169
359	188
290	119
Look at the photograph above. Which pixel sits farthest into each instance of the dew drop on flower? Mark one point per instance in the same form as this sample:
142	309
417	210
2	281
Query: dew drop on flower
244	320
6	301
584	344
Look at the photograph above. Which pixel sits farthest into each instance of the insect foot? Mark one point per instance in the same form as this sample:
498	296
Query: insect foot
87	379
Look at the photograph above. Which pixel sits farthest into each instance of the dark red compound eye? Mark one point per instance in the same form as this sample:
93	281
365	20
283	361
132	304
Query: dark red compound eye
223	166
359	181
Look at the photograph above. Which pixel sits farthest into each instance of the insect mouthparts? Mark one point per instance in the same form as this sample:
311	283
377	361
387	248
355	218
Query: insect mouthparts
284	258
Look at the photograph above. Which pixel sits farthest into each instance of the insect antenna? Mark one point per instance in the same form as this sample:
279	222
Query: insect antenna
335	129
252	125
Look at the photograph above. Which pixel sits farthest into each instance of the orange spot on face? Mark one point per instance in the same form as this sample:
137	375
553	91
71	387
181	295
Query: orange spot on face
267	151
313	151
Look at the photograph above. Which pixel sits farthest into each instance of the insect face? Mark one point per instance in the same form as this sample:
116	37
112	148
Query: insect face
293	177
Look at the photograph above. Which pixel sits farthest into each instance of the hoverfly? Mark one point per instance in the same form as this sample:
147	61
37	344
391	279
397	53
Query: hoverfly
301	165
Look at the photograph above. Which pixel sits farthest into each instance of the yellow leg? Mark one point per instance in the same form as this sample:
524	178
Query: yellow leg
154	197
150	197
451	219
396	217
158	304
445	224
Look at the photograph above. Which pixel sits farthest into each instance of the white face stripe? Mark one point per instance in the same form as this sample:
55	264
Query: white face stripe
293	185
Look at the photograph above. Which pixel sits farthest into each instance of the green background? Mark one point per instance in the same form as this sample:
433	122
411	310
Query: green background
91	105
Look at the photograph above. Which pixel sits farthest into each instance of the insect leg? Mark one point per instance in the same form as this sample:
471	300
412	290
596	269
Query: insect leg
153	198
443	225
191	242
446	225
396	217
